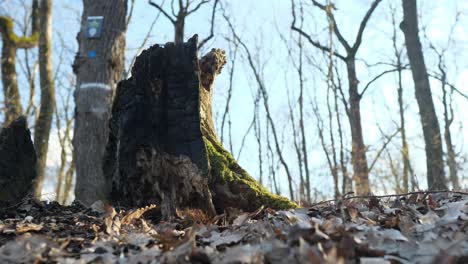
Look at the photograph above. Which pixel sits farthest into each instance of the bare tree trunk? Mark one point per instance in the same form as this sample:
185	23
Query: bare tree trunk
31	73
404	143
448	120
447	102
334	167
47	104
63	134
301	121
429	122
358	151
233	54
272	167
10	44
330	163
99	65
347	184
179	27
68	182
258	137
330	84
298	150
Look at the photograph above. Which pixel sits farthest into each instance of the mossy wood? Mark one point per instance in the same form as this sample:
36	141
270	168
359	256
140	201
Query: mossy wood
162	144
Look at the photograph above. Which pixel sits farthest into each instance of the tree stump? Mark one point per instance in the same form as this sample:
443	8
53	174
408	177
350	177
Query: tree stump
17	162
162	145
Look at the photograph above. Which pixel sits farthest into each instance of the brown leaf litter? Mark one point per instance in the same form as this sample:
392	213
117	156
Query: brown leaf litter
413	228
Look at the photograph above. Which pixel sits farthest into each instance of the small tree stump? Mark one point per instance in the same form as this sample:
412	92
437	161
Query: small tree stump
17	162
162	144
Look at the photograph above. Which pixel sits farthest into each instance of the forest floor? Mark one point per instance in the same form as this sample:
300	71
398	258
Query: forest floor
412	228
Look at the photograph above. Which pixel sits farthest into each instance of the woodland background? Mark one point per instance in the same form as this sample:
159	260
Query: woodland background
273	69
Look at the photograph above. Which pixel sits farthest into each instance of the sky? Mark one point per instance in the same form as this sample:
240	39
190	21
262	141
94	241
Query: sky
260	24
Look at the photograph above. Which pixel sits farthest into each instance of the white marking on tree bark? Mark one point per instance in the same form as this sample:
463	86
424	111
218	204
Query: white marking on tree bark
95	85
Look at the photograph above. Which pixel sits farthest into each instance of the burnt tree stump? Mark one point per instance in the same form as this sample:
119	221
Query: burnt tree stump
162	146
17	162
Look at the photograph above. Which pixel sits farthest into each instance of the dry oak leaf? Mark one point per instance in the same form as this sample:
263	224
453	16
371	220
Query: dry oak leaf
136	214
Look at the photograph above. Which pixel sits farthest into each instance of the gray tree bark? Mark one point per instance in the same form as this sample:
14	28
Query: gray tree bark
429	122
97	77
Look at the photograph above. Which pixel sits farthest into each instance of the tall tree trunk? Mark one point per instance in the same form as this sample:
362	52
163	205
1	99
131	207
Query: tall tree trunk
404	142
429	122
301	122
405	157
358	151
47	104
10	44
99	65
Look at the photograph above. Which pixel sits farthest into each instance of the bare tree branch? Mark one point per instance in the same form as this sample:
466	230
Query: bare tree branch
143	44
328	10
379	76
338	86
244	137
364	21
386	196
162	11
435	76
384	146
233	54
308	37
130	13
172	8
198	6
213	15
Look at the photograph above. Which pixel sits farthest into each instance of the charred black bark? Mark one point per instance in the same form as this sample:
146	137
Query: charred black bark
17	162
162	146
156	151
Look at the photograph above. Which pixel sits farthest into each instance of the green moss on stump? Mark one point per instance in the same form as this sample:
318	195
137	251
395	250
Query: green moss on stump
246	192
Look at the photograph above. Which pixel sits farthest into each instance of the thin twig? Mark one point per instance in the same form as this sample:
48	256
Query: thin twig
162	11
387	196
